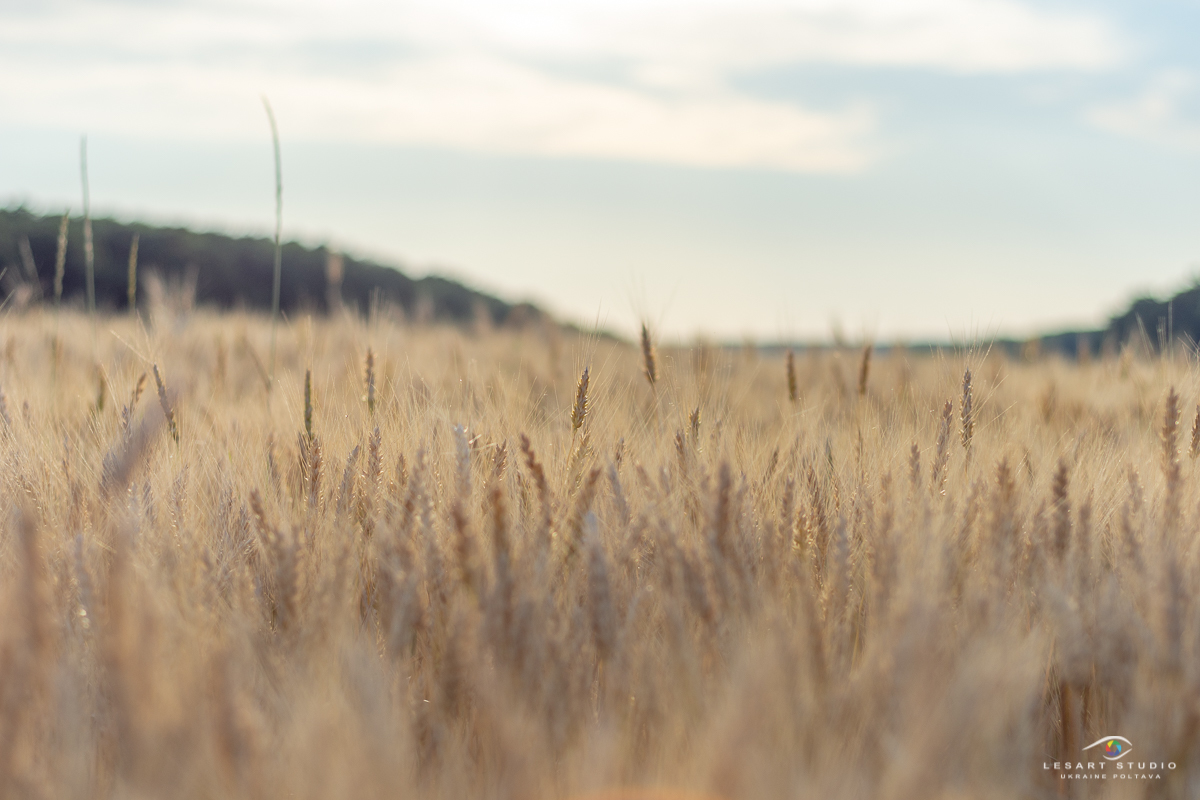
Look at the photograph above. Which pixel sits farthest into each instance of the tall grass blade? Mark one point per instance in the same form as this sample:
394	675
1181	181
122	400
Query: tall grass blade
278	231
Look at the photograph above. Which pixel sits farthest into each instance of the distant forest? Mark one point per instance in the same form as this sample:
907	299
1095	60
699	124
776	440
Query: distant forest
1148	321
228	272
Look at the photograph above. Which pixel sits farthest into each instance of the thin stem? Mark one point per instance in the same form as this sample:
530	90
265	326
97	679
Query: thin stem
89	259
278	227
131	286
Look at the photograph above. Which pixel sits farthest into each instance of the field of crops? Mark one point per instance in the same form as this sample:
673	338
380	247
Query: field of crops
428	562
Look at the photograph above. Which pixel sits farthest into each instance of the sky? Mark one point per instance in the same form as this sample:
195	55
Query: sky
771	169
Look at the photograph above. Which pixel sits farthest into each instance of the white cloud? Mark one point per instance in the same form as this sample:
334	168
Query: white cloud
1158	114
510	77
472	103
998	36
482	103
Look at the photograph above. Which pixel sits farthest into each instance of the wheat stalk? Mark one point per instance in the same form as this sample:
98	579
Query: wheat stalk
914	466
308	405
89	261
1170	458
580	409
1194	450
864	370
101	391
937	477
967	414
792	388
127	411
278	273
370	381
538	472
131	287
4	416
60	259
1062	509
649	358
30	266
168	411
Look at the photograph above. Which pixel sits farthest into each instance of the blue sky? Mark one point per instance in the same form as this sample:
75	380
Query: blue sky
764	168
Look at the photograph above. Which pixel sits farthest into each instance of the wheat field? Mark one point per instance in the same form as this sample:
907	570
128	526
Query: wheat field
441	563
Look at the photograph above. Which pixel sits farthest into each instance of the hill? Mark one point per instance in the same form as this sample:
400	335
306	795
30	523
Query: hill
228	271
1177	317
1149	320
236	272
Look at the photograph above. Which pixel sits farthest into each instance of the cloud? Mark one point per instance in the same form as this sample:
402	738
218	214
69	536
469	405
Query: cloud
487	104
472	103
643	81
1159	114
964	36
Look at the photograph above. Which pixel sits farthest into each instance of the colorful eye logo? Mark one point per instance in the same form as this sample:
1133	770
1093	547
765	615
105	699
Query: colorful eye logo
1114	747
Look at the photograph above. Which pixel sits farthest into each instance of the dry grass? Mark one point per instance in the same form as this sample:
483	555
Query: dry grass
514	566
